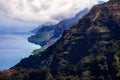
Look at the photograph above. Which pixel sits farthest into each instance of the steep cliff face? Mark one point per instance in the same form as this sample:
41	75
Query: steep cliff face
48	35
90	50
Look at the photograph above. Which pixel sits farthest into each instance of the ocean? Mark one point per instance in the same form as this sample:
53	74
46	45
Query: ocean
13	48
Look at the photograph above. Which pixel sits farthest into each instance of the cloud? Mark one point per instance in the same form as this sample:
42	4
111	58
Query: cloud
44	11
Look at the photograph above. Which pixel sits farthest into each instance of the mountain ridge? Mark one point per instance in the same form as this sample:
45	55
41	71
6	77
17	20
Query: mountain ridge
48	35
89	50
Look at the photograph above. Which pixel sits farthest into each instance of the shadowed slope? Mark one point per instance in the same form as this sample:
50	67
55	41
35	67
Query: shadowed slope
90	50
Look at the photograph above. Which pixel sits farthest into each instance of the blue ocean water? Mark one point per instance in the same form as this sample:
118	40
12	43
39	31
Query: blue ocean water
14	47
13	41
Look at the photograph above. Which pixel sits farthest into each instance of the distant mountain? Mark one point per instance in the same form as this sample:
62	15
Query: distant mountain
45	36
89	50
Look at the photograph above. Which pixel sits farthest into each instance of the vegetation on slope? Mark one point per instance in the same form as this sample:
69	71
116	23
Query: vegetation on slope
90	50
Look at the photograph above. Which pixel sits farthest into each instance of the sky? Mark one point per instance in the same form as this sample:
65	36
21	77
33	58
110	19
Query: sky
44	11
9	25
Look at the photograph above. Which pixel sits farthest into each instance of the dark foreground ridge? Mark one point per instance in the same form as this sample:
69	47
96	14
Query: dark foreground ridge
90	50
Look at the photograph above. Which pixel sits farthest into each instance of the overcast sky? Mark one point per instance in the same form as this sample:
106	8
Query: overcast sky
44	11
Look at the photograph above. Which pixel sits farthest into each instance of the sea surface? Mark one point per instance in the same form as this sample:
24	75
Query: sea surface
14	44
14	47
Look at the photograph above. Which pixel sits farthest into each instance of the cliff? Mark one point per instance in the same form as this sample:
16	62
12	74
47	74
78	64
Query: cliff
45	36
89	50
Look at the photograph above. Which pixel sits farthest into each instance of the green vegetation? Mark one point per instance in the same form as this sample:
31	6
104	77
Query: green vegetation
88	51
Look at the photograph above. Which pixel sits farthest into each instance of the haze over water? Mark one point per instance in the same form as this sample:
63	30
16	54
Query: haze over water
13	41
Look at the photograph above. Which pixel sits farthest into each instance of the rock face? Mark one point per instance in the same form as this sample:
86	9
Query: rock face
48	35
90	50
